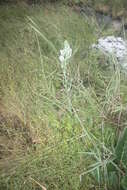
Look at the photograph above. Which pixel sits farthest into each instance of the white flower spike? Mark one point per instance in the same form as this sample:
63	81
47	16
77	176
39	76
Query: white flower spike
65	53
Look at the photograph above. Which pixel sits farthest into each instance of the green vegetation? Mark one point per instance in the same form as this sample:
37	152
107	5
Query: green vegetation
116	8
44	143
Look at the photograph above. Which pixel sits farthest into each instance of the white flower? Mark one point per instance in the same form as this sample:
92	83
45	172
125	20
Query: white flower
61	58
65	53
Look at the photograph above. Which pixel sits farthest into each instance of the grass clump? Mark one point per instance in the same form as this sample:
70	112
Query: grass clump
46	143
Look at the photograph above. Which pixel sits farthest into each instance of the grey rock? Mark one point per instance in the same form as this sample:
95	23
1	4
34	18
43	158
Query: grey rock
113	46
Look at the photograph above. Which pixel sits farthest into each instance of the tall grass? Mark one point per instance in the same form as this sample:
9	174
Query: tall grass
50	144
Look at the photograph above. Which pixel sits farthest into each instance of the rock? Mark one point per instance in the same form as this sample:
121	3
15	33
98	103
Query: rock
103	19
113	46
117	25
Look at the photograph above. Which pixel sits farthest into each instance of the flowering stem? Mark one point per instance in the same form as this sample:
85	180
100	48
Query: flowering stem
65	55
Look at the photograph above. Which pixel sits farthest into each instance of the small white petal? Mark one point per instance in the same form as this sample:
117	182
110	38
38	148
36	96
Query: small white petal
62	52
61	58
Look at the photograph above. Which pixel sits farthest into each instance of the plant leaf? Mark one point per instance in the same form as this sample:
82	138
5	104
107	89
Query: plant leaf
124	183
121	149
